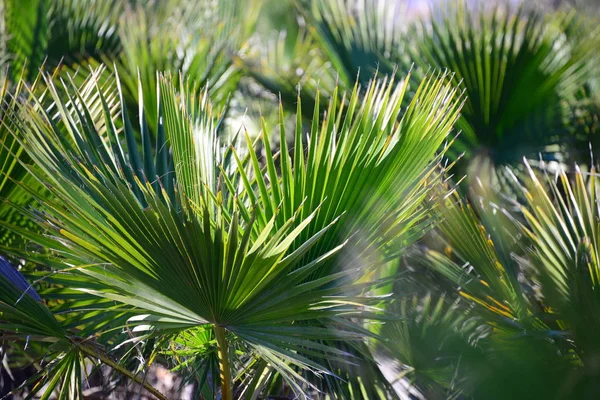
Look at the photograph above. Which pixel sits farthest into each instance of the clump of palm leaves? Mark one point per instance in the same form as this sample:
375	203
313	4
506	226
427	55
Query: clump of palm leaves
525	279
522	73
336	43
274	257
321	250
50	32
525	73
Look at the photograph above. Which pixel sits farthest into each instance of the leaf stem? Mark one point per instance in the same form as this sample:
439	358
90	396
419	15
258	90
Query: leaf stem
251	393
134	377
223	347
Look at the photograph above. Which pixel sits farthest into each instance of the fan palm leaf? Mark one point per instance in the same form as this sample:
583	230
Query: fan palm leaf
382	196
531	279
521	72
339	42
51	32
428	344
562	222
81	32
394	156
198	39
220	240
359	37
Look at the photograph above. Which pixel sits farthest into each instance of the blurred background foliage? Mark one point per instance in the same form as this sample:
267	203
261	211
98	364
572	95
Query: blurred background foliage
299	199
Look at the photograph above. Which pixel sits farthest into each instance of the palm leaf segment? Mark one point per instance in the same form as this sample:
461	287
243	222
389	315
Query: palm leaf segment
12	172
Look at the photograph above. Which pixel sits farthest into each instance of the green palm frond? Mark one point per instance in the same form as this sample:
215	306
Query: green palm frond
562	222
12	172
370	159
359	37
531	279
223	240
51	32
483	267
376	187
518	338
338	43
83	31
197	39
521	72
430	341
26	32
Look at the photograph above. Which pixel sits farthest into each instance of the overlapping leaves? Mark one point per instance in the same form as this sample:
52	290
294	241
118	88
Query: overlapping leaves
191	233
522	72
532	279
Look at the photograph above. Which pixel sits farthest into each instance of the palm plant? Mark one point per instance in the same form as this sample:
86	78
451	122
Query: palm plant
37	35
49	32
198	39
287	259
337	43
384	154
522	73
191	236
526	284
